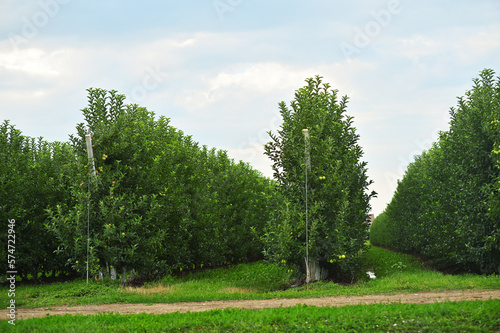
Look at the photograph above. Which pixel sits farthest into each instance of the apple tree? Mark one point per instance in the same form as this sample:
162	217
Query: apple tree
338	196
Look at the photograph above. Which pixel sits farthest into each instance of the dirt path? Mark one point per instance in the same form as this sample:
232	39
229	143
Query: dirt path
158	308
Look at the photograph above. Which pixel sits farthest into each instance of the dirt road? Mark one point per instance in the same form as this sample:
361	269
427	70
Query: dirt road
159	308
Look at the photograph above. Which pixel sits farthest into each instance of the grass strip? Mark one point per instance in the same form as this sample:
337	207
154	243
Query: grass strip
466	316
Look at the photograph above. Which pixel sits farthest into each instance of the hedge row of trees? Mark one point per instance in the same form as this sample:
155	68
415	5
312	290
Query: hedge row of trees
155	201
159	202
34	174
447	206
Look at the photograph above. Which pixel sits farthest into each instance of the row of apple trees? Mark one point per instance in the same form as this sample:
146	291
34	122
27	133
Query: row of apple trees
152	199
447	206
34	174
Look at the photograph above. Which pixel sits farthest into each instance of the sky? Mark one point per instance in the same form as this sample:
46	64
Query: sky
219	68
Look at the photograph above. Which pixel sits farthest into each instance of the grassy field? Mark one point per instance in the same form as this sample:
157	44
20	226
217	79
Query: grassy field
395	272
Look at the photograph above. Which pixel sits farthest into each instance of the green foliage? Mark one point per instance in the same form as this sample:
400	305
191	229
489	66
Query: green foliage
33	175
475	316
386	263
257	277
338	202
379	232
159	203
446	206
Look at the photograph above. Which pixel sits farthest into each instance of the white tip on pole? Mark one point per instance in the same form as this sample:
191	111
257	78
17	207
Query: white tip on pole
90	152
308	156
88	139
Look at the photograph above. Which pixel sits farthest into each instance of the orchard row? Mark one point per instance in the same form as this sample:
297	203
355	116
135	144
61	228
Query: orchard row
447	206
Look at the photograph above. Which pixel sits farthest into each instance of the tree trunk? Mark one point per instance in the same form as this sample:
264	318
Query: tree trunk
318	273
124	275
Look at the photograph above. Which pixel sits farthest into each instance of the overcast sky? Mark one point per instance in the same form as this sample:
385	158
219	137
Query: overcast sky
218	69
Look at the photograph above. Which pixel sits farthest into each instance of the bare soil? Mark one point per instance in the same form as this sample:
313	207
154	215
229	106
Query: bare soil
159	308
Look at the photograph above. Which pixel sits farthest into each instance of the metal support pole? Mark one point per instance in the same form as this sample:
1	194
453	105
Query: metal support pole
90	155
307	166
88	230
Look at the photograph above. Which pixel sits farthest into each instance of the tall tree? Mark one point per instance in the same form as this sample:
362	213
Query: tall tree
338	196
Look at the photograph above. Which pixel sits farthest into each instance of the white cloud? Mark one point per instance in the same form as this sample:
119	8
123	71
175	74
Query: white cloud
261	77
31	61
257	78
461	43
267	78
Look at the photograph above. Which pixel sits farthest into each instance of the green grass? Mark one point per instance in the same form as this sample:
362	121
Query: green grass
395	272
439	317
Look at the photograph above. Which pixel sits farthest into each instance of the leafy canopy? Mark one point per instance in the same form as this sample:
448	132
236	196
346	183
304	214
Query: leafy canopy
338	198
